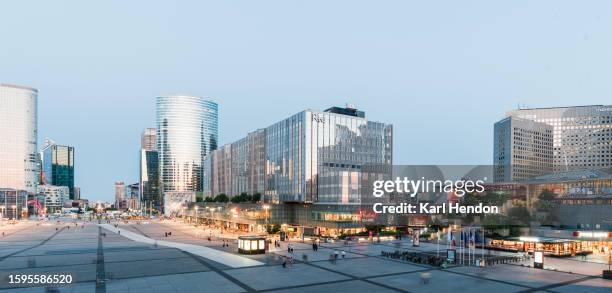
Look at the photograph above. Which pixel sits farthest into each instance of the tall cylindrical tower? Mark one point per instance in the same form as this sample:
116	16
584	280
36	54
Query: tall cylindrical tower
187	130
18	137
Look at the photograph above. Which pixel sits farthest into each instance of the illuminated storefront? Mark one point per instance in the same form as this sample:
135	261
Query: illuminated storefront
551	246
251	245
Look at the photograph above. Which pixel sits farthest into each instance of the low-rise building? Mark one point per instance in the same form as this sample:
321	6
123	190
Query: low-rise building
53	197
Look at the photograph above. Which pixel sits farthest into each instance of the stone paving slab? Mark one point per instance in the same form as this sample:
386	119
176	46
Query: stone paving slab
519	275
597	285
442	281
347	286
367	267
192	282
145	268
268	277
73	288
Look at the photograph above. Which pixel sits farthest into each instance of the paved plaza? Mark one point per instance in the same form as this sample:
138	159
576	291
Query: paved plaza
102	260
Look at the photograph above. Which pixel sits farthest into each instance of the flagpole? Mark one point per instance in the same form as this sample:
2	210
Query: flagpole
438	249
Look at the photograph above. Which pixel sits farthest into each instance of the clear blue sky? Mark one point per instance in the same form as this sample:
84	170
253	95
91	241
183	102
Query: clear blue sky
441	71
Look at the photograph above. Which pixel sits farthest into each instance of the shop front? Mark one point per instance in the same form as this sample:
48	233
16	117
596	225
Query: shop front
550	246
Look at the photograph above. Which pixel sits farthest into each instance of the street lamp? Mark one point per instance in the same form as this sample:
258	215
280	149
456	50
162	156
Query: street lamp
196	214
266	208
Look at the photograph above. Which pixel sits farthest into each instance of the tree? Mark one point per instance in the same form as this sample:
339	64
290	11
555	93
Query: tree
547	195
519	215
273	229
256	197
222	197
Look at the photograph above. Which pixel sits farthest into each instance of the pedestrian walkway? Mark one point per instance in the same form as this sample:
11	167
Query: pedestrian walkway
228	259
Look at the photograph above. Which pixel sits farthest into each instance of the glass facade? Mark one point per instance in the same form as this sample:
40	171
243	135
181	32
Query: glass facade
522	149
582	135
149	170
149	179
310	157
58	166
187	130
18	138
13	203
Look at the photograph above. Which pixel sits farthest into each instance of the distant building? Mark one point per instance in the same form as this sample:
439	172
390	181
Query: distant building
120	202
132	192
77	192
53	197
13	203
58	166
150	193
77	203
523	149
18	138
148	139
174	201
582	135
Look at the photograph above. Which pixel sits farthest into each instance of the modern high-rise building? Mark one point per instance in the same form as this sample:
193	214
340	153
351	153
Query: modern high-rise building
150	195
132	193
148	139
310	157
19	138
523	149
58	166
582	135
187	131
313	170
120	199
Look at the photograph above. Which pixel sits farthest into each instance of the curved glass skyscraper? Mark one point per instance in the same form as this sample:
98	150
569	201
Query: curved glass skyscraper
18	137
187	130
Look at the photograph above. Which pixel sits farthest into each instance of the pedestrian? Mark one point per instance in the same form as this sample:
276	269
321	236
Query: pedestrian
284	263
343	254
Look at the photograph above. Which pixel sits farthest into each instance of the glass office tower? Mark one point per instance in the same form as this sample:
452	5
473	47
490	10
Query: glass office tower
582	135
58	166
18	138
522	149
149	179
310	157
187	130
149	169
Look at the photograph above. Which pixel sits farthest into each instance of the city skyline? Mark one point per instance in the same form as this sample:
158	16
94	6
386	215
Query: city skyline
425	74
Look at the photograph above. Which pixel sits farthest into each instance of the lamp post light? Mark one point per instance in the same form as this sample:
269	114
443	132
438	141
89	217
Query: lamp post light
196	214
266	208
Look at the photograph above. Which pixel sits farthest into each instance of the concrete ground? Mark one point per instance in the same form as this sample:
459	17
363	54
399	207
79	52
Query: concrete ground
102	261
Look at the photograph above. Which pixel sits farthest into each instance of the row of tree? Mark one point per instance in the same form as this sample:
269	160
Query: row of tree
240	198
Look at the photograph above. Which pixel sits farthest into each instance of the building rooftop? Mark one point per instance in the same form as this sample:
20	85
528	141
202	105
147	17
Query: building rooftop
18	87
348	110
573	176
559	107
